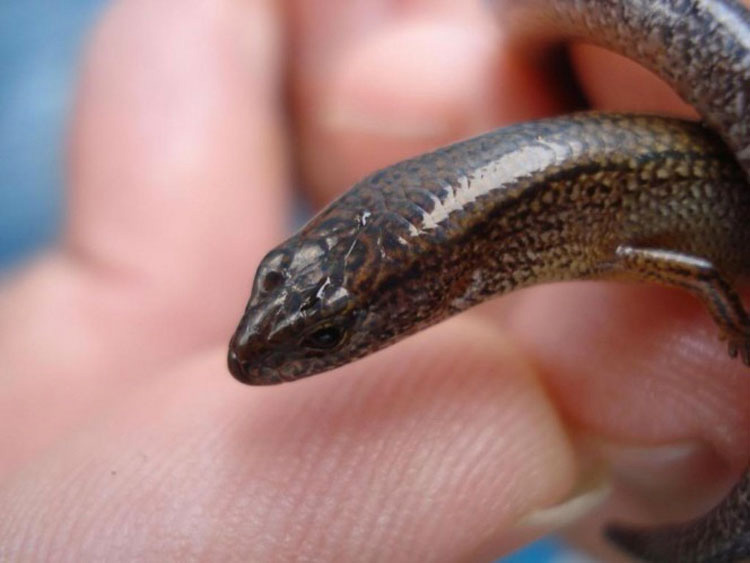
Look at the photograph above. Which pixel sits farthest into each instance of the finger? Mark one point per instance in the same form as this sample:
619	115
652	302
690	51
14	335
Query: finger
679	372
178	163
376	84
614	83
177	190
651	356
396	458
641	371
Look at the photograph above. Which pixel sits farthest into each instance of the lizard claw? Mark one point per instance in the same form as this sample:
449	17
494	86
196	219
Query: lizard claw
739	345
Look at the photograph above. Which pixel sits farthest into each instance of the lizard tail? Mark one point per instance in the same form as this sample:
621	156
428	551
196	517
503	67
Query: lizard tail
721	536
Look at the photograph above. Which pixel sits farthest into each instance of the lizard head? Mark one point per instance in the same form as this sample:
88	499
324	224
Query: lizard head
308	310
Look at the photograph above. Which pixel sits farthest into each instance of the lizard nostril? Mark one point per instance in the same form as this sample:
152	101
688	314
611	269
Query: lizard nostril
235	366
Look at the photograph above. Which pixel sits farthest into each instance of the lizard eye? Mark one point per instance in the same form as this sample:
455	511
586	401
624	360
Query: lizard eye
271	280
324	338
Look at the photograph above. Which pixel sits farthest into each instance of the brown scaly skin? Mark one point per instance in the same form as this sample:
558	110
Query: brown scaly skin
581	197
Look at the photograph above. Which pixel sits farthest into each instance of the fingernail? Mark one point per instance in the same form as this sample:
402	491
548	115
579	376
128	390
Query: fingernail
662	470
654	471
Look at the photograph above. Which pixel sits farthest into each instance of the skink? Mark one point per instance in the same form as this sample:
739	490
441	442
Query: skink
588	196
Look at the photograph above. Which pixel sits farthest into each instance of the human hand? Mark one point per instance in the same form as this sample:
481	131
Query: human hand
126	438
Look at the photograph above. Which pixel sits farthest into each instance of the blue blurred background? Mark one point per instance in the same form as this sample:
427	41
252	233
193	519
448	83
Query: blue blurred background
40	47
40	41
